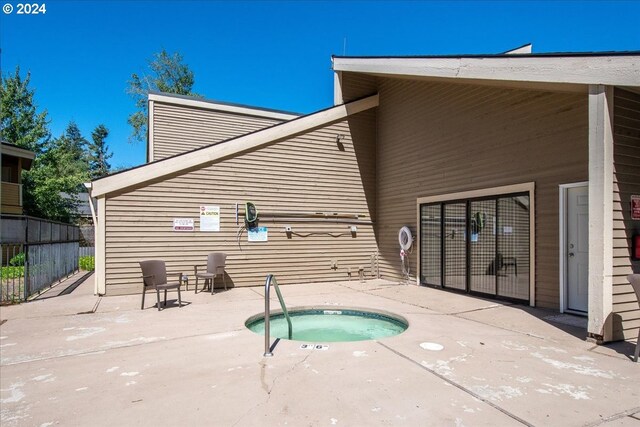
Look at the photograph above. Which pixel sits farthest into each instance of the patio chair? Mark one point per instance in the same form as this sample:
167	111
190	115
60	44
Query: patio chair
501	262
216	262
634	279
154	275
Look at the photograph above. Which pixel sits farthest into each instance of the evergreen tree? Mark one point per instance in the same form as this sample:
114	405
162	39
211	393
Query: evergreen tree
57	176
60	168
73	141
99	153
169	75
20	123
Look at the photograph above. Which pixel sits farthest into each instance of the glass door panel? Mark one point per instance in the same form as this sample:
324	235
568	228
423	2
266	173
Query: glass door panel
455	246
431	245
483	247
513	247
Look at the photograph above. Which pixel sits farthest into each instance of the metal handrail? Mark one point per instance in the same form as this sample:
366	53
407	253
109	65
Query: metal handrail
267	312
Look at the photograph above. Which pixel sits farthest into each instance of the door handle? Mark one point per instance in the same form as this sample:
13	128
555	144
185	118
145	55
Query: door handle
571	254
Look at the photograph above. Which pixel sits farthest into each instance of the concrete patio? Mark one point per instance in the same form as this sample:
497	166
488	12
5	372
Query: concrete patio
79	359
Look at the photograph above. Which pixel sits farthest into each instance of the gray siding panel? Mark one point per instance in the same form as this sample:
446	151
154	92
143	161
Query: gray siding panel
439	138
309	173
626	155
178	128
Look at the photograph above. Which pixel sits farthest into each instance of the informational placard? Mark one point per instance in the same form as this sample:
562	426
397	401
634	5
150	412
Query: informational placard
209	218
258	234
635	208
183	224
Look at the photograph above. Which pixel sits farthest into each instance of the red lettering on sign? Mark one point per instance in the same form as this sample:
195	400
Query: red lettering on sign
635	207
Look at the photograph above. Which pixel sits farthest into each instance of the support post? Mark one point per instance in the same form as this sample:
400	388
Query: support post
100	242
337	88
600	326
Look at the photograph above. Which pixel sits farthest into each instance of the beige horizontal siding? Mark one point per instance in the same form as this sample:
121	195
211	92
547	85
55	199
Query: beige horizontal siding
439	138
356	86
626	154
309	173
11	198
178	128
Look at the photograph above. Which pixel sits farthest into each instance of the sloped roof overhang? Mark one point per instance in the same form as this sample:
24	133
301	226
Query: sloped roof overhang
15	151
563	71
204	156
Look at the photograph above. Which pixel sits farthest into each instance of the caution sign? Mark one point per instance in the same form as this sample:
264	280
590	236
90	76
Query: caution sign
209	218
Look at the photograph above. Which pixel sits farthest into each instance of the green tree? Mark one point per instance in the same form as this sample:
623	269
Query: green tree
99	153
60	168
167	74
57	177
73	142
20	123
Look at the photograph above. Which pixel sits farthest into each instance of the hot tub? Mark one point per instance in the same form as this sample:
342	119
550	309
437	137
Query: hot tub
331	324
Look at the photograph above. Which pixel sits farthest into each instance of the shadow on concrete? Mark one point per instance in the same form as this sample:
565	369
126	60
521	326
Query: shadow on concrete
65	286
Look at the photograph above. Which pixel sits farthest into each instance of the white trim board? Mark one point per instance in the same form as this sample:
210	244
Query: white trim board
562	221
219	106
100	243
529	187
230	147
619	70
150	124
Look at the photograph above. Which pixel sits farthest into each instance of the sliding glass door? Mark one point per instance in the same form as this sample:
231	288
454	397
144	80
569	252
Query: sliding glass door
479	246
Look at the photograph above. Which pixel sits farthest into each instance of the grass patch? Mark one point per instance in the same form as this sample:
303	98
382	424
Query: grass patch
87	263
7	273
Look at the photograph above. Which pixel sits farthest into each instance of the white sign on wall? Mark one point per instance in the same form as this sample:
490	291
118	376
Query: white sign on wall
209	218
258	234
183	224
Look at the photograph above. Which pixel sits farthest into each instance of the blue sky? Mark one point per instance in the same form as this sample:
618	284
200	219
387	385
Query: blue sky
270	54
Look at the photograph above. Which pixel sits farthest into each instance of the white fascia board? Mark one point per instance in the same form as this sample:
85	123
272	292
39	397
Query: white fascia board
215	106
621	70
230	147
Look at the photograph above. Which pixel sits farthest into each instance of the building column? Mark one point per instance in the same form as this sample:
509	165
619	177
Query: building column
600	212
337	88
100	242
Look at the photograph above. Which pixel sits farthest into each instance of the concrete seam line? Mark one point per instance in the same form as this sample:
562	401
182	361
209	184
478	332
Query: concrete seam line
491	307
95	307
118	347
619	415
459	386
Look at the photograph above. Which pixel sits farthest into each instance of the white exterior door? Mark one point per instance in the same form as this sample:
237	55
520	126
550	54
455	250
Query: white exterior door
577	249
